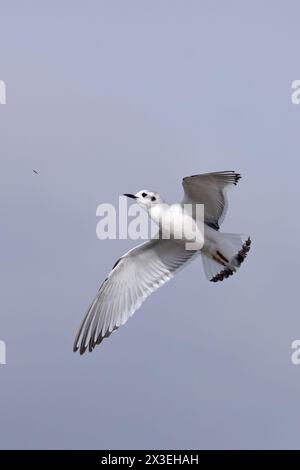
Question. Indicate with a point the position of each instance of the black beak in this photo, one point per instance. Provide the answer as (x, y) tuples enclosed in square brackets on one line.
[(130, 195)]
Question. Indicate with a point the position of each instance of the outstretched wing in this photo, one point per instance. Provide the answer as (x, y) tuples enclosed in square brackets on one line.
[(133, 278), (210, 189)]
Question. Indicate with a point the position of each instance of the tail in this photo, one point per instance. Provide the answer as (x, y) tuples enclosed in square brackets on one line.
[(225, 257)]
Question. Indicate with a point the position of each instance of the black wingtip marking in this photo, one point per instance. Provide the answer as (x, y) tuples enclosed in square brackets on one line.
[(116, 264), (232, 174), (238, 176)]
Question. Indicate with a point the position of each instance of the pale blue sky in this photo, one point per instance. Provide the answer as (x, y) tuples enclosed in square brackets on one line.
[(107, 97)]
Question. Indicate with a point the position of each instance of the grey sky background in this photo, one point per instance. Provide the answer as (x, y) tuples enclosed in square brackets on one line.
[(107, 97)]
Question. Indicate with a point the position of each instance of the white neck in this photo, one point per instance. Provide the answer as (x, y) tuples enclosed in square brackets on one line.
[(156, 212)]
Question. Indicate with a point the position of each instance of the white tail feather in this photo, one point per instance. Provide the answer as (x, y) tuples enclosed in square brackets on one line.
[(228, 254)]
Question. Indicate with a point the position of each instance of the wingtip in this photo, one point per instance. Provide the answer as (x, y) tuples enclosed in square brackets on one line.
[(82, 348), (238, 176)]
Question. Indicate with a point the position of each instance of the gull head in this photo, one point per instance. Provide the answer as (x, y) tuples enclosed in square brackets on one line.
[(146, 198)]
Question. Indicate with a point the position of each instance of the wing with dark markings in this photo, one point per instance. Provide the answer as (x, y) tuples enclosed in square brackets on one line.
[(210, 189), (133, 278)]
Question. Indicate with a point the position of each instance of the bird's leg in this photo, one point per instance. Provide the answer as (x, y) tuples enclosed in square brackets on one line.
[(219, 258)]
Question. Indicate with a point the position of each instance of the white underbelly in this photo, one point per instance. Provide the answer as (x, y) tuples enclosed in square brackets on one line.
[(180, 226)]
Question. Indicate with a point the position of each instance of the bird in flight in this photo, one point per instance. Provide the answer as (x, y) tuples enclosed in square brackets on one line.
[(145, 268), (36, 172)]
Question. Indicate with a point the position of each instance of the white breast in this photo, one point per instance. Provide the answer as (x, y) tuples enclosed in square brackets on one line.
[(176, 224)]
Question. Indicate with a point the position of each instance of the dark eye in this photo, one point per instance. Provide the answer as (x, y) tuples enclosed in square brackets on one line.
[(144, 194), (153, 198)]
